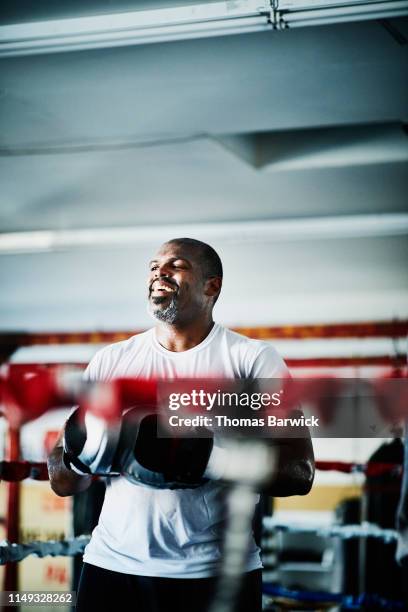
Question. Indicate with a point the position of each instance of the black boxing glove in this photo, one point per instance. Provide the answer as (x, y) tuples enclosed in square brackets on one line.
[(146, 457), (135, 447), (90, 443)]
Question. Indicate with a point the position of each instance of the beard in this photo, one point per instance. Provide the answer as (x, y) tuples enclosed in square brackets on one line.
[(168, 314)]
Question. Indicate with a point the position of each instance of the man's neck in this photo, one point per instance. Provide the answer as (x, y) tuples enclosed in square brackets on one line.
[(177, 338)]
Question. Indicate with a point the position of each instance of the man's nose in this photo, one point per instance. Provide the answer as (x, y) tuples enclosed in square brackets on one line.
[(162, 270)]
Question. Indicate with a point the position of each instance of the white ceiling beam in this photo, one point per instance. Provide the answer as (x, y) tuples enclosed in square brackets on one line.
[(332, 147)]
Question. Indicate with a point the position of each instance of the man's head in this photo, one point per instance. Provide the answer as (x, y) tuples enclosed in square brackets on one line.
[(184, 281)]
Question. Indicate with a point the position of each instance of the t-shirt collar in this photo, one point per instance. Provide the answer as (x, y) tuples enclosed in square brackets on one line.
[(156, 344)]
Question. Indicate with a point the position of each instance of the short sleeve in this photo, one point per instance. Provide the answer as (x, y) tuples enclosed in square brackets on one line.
[(269, 364), (93, 370)]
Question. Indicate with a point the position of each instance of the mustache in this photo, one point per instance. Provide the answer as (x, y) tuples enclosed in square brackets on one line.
[(164, 279)]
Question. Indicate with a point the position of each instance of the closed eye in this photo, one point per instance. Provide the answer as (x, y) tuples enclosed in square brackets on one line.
[(179, 264)]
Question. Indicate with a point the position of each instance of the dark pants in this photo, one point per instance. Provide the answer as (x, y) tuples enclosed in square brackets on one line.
[(107, 591), (404, 564)]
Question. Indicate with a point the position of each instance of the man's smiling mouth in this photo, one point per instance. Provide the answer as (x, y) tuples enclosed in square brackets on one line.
[(160, 288)]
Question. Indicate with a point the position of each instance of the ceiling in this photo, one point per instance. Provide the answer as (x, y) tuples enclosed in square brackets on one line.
[(152, 134)]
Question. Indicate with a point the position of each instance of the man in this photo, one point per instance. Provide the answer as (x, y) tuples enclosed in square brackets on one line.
[(159, 550)]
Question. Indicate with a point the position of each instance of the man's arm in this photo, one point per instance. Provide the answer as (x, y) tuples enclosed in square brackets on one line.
[(295, 469), (63, 481)]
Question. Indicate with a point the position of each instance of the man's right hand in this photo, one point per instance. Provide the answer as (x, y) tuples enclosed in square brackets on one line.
[(63, 480), (86, 447)]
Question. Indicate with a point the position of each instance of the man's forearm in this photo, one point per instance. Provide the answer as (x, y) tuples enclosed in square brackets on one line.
[(64, 481)]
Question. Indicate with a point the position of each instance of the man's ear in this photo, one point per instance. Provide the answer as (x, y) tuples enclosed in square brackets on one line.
[(213, 286)]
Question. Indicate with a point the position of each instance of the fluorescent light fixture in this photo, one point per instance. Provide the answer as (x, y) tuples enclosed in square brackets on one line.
[(337, 347), (237, 232), (55, 353), (298, 13), (185, 22), (136, 27)]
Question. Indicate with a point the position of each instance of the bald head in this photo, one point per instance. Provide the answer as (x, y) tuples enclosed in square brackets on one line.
[(185, 281), (206, 256)]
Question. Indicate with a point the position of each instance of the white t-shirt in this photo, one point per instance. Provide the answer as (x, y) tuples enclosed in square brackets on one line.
[(162, 532)]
